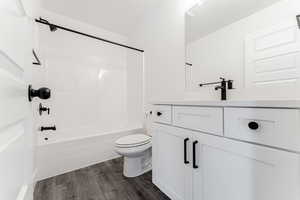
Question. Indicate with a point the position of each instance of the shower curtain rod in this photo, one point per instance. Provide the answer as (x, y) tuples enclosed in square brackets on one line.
[(54, 27)]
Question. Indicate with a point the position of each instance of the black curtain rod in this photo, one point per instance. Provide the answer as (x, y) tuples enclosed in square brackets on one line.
[(54, 27)]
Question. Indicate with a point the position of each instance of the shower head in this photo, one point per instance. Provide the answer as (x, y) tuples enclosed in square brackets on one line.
[(53, 28)]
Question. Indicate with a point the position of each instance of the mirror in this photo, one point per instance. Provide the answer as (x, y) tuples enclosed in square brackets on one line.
[(222, 36)]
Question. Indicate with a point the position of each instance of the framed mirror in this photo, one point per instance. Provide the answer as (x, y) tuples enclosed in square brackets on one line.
[(253, 42)]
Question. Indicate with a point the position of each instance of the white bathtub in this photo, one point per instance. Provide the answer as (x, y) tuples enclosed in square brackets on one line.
[(60, 156)]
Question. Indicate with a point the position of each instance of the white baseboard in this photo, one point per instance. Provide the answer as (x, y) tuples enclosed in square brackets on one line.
[(26, 192)]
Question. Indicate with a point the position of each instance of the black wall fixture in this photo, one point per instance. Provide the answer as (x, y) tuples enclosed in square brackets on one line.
[(43, 109), (48, 128), (54, 27), (38, 62), (42, 93), (298, 20)]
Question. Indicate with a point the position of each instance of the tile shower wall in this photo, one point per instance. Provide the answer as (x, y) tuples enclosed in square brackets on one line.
[(96, 87)]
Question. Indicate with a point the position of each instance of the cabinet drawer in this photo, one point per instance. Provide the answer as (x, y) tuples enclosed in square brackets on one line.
[(162, 114), (272, 127), (204, 119)]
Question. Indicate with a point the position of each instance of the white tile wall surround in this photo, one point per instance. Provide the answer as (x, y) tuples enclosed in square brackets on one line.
[(96, 87)]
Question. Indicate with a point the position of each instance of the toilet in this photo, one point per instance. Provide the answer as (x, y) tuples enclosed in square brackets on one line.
[(136, 150)]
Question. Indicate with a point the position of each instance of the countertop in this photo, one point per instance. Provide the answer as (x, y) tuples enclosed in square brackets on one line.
[(235, 103)]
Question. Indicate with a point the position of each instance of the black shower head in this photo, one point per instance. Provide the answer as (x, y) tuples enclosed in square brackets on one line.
[(53, 28)]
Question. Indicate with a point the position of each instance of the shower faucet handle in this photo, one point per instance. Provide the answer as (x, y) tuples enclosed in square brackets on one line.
[(43, 109)]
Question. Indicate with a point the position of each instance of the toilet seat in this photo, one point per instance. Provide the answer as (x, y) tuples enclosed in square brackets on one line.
[(133, 140)]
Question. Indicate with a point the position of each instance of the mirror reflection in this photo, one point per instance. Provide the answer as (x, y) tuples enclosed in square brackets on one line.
[(241, 41)]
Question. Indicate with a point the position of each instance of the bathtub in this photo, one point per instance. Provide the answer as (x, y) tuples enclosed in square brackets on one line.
[(58, 156)]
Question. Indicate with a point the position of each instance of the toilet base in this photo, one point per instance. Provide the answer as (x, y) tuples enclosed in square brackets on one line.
[(136, 166)]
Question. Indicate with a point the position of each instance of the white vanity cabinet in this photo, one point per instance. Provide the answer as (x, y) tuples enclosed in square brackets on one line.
[(192, 165), (171, 173), (231, 170)]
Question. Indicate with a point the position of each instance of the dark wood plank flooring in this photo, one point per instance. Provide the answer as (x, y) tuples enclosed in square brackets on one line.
[(104, 181)]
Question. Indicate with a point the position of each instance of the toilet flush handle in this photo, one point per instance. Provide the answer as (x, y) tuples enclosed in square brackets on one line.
[(159, 114)]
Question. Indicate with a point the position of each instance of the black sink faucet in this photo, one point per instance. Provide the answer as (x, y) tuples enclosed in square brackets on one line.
[(223, 87)]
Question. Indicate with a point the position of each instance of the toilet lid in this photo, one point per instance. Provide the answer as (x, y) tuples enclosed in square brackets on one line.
[(133, 140)]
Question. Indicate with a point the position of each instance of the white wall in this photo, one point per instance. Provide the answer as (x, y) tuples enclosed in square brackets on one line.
[(135, 88), (222, 53), (161, 35)]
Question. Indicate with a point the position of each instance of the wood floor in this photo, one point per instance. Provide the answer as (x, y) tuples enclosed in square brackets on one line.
[(104, 181)]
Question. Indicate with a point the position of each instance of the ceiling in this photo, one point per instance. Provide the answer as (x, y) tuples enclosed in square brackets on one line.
[(215, 14), (119, 16)]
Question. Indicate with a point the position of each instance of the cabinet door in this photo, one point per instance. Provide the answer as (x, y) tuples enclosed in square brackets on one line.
[(232, 170), (170, 172)]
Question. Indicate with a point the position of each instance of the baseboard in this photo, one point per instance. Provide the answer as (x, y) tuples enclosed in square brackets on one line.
[(26, 192)]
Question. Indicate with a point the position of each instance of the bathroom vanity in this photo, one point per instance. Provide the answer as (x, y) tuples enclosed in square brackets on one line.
[(233, 150)]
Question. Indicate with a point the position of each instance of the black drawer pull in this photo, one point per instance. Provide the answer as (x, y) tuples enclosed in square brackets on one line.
[(185, 151), (253, 125), (195, 166), (159, 113)]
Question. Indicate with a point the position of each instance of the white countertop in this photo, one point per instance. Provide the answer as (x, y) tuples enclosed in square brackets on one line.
[(235, 103)]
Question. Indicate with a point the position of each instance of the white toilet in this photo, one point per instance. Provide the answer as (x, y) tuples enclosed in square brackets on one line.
[(136, 150)]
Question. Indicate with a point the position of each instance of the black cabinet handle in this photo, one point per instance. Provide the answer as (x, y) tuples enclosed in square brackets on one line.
[(185, 151), (159, 113), (195, 166), (253, 125)]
